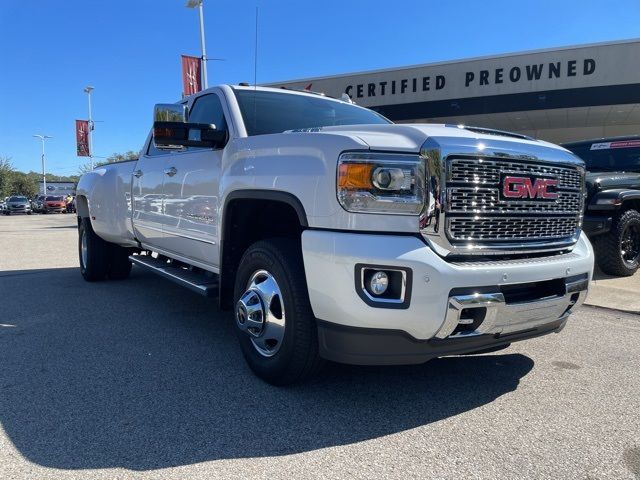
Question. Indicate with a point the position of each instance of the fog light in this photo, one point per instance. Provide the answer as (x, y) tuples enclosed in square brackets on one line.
[(379, 283)]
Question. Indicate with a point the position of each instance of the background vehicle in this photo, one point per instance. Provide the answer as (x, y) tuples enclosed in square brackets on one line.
[(17, 204), (37, 204), (54, 203), (3, 206), (335, 234), (612, 218)]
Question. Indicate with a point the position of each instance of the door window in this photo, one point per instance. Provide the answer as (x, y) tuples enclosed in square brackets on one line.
[(208, 109)]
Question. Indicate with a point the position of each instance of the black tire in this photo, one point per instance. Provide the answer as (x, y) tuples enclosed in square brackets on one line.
[(97, 253), (297, 358), (119, 264), (612, 254)]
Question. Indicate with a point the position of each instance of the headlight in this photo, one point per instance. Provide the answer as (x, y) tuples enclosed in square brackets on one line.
[(381, 183)]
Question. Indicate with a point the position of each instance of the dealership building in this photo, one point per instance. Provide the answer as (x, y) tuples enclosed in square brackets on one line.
[(559, 95)]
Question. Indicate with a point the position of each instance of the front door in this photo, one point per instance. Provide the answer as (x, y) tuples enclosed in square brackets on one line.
[(191, 202), (147, 194)]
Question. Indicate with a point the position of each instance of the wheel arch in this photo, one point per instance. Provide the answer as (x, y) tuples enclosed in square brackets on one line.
[(82, 206), (249, 216)]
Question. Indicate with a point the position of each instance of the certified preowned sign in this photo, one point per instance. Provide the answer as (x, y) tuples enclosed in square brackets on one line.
[(571, 68)]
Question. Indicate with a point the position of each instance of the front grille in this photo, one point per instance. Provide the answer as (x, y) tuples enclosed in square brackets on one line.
[(487, 171), (511, 228), (476, 210), (487, 200)]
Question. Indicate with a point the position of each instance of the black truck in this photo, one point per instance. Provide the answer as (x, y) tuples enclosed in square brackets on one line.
[(612, 216)]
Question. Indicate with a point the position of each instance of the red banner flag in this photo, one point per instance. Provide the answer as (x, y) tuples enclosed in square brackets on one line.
[(82, 138), (191, 74)]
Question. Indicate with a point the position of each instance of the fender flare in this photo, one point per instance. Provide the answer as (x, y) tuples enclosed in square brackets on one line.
[(251, 194), (612, 199), (273, 195)]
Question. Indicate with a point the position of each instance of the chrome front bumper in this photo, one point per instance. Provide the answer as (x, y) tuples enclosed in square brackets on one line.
[(492, 314)]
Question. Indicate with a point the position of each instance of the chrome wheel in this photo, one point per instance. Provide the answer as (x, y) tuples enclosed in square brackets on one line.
[(260, 313), (83, 249)]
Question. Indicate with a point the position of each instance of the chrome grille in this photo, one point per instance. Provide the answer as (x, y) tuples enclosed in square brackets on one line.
[(511, 228), (487, 200), (487, 171), (476, 211)]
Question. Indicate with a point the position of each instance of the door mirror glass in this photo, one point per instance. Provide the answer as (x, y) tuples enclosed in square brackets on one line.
[(170, 112)]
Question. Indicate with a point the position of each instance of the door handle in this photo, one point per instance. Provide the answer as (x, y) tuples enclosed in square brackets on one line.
[(137, 173), (171, 171)]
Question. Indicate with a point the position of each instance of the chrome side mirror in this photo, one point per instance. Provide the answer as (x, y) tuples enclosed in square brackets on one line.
[(170, 112)]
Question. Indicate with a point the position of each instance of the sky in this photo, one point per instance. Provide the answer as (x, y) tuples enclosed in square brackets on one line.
[(129, 50)]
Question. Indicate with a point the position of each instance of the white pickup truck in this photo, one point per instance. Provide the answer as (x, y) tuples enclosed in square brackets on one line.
[(335, 234)]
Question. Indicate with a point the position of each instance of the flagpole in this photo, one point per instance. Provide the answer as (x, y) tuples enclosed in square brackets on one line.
[(204, 50), (44, 175), (90, 125), (199, 4)]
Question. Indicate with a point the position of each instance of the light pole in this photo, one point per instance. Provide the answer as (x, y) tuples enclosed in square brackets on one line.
[(198, 4), (44, 176), (88, 91)]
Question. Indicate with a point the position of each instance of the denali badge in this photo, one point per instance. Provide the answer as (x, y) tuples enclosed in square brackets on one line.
[(526, 187)]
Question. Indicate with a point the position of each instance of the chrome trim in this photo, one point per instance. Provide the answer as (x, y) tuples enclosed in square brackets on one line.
[(504, 318), (437, 151), (189, 237), (403, 289), (181, 258), (201, 288)]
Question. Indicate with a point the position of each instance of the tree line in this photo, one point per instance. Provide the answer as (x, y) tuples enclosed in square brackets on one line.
[(15, 182)]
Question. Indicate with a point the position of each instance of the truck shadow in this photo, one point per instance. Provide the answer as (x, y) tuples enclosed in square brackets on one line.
[(142, 374)]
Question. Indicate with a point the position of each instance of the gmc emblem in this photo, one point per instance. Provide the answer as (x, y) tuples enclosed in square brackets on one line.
[(525, 187)]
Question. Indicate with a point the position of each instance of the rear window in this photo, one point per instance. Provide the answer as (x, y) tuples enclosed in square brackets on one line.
[(54, 199), (620, 155)]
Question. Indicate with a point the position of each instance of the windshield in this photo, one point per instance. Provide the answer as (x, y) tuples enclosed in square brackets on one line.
[(53, 199), (623, 155), (273, 112), (17, 199)]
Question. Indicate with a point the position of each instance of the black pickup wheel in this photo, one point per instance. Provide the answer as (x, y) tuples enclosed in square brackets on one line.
[(618, 252)]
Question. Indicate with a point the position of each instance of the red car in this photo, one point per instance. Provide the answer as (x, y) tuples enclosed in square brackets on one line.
[(54, 204)]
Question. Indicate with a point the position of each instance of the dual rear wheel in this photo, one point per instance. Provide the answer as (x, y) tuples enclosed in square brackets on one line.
[(99, 258)]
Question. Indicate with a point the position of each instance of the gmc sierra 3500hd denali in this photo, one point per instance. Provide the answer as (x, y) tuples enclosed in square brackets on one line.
[(334, 234)]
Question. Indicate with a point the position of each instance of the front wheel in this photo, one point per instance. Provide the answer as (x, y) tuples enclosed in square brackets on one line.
[(618, 252), (274, 321)]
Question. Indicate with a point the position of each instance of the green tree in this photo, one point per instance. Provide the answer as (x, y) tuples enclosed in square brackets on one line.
[(6, 170), (21, 184)]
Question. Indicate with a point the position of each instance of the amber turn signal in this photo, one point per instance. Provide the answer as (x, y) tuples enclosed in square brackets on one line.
[(355, 176)]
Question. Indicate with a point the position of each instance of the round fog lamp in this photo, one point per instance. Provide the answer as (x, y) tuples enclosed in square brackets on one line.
[(379, 283)]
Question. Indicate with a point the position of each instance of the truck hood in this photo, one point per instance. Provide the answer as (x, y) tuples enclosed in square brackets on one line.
[(409, 138), (629, 180)]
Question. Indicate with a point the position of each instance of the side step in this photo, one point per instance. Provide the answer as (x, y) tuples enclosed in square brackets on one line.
[(199, 282)]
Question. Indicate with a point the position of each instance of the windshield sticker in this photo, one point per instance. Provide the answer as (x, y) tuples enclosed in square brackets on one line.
[(619, 144)]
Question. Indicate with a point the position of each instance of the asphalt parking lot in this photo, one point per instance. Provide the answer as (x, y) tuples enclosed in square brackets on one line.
[(142, 379)]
